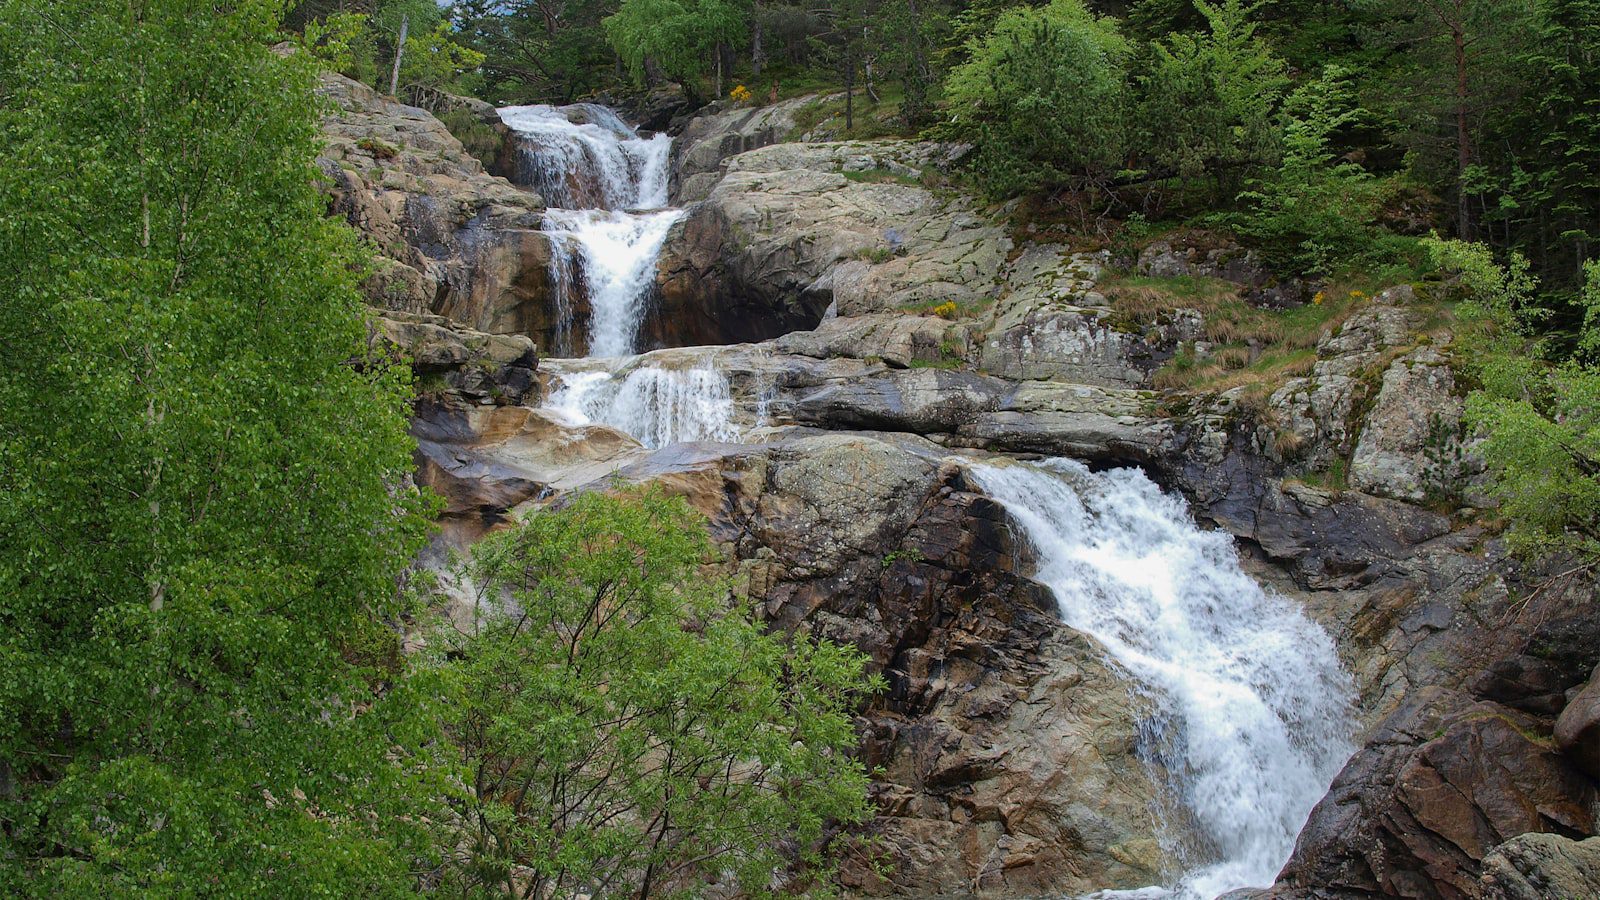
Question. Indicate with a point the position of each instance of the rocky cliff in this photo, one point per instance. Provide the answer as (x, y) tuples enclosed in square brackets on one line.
[(897, 321)]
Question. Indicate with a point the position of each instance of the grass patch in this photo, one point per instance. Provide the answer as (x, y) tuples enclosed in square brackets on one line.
[(872, 120), (1229, 367), (1335, 478), (949, 309)]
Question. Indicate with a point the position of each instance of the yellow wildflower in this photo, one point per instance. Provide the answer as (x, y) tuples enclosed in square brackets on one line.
[(1317, 300), (739, 94)]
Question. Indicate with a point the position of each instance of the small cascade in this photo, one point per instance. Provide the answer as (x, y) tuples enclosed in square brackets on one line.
[(605, 187), (657, 406), (1256, 713)]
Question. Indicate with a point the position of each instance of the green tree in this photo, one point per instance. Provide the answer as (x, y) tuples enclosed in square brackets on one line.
[(1043, 96), (1453, 70), (629, 734), (1209, 100), (553, 50), (681, 38), (206, 506), (1540, 419), (1543, 153)]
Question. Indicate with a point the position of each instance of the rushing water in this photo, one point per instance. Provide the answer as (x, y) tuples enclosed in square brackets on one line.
[(605, 187), (656, 405), (1258, 711)]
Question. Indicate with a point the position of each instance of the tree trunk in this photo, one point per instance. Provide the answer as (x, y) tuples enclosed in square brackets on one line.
[(849, 91), (716, 51), (758, 53), (399, 51), (1458, 39)]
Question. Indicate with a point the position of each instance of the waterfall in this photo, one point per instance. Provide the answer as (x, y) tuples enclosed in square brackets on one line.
[(656, 406), (605, 187), (1258, 713), (616, 254)]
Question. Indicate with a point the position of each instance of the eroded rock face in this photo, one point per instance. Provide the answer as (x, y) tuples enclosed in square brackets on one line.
[(455, 241)]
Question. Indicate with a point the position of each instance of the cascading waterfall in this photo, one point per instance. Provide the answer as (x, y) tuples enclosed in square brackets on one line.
[(1259, 711), (657, 406), (616, 254), (605, 187)]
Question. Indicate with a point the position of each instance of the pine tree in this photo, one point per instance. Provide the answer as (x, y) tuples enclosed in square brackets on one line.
[(205, 503), (1548, 175)]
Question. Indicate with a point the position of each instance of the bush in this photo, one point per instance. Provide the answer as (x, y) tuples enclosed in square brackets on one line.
[(1314, 211), (1540, 420)]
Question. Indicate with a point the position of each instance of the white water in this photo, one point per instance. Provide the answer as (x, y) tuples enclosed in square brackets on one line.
[(598, 163), (1259, 715), (605, 187), (616, 254), (656, 406)]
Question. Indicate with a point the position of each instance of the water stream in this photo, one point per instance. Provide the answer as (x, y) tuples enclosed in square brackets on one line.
[(1258, 713)]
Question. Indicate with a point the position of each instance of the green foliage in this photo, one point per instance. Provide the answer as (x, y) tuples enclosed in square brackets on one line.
[(206, 506), (1209, 99), (1316, 210), (1541, 173), (1044, 97), (553, 51), (629, 731), (338, 40), (1540, 420), (675, 35)]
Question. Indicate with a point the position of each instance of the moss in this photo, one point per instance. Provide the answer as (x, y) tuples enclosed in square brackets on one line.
[(378, 149)]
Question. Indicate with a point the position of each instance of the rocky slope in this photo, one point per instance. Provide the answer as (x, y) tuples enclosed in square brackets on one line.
[(1009, 751)]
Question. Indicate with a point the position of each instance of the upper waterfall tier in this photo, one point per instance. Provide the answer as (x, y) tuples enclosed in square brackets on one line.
[(604, 186), (584, 157)]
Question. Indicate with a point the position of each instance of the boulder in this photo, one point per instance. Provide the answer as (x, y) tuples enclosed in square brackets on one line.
[(1051, 324), (1542, 866), (492, 369), (720, 133), (1411, 442), (793, 229), (1441, 783), (1577, 731)]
